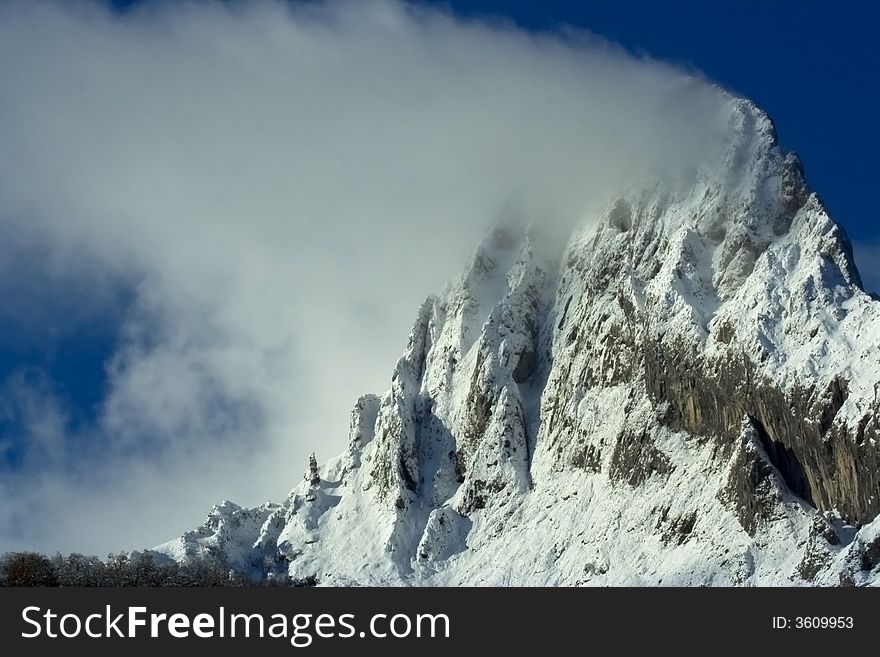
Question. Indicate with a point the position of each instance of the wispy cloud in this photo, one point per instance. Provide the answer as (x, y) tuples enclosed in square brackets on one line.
[(276, 187)]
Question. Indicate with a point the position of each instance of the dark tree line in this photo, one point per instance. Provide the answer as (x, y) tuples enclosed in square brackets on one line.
[(124, 569)]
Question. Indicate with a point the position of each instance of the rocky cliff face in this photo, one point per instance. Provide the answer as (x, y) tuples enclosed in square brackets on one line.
[(687, 395)]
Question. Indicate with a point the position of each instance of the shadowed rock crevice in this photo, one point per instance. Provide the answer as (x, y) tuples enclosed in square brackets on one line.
[(786, 462), (826, 463)]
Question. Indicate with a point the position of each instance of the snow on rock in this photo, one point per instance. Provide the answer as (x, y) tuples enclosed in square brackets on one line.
[(686, 395)]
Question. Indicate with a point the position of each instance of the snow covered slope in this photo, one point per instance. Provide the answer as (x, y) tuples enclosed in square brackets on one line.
[(687, 396)]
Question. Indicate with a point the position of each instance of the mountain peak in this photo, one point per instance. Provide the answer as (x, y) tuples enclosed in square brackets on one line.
[(685, 394)]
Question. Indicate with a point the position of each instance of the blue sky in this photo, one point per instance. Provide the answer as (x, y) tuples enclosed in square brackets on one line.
[(66, 335)]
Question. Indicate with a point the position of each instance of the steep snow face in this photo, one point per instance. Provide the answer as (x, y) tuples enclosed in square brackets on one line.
[(686, 395)]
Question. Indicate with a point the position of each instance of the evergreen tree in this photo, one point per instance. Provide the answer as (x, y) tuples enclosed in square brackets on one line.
[(312, 476)]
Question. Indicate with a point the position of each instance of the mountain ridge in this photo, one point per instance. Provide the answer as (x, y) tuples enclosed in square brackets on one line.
[(685, 395)]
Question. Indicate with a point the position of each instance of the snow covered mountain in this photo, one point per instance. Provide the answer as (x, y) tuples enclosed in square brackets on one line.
[(687, 396)]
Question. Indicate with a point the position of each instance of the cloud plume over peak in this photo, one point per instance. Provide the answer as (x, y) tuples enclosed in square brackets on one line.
[(255, 197)]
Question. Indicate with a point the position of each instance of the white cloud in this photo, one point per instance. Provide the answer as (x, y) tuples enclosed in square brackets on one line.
[(278, 187)]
